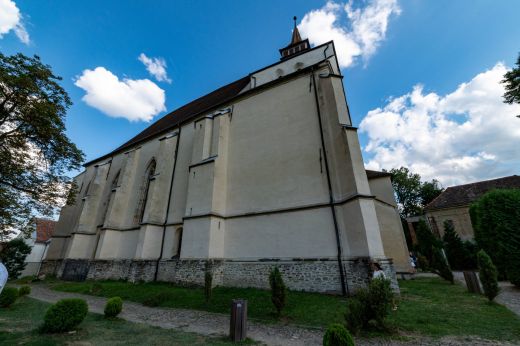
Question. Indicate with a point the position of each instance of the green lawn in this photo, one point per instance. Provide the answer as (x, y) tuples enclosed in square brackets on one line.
[(18, 326), (429, 307)]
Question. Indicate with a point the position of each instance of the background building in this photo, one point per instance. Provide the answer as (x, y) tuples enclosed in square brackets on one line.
[(39, 243)]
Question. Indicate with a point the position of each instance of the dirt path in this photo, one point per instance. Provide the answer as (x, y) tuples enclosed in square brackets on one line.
[(213, 324)]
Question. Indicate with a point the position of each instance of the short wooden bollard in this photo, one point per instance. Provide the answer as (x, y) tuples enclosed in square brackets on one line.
[(472, 282), (238, 325)]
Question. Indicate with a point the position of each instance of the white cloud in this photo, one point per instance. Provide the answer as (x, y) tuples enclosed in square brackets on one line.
[(361, 38), (156, 67), (465, 136), (135, 100), (11, 19)]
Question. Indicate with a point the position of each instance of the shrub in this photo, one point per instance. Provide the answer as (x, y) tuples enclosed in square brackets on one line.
[(337, 335), (356, 316), (440, 266), (157, 299), (423, 263), (457, 252), (513, 267), (24, 290), (8, 296), (488, 275), (96, 288), (496, 221), (64, 315), (426, 241), (278, 290), (113, 307), (372, 304), (208, 285), (13, 257)]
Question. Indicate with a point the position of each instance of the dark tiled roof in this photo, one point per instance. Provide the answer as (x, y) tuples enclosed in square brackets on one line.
[(44, 230), (377, 174), (188, 111), (466, 194)]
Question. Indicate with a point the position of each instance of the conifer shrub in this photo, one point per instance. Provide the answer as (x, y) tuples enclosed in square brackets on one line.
[(24, 291), (457, 252), (65, 315), (337, 335), (8, 296), (488, 275), (426, 241), (356, 316), (278, 290), (440, 266), (113, 307), (513, 267), (208, 285)]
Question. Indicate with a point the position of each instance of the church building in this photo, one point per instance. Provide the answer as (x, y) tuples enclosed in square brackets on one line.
[(265, 171)]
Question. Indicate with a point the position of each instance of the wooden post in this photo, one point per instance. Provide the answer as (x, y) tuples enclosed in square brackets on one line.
[(238, 325)]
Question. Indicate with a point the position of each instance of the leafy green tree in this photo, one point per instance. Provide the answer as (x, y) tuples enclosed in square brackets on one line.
[(13, 257), (411, 193), (35, 153), (278, 290), (496, 221), (488, 275), (511, 83)]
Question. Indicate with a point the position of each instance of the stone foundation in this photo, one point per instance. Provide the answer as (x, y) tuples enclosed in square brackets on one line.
[(313, 275)]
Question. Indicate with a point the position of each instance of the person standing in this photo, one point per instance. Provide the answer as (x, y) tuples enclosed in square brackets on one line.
[(3, 276)]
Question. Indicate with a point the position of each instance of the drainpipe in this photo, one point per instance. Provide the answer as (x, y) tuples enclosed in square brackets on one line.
[(167, 206), (344, 285)]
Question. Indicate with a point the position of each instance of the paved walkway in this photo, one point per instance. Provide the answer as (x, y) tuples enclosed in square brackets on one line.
[(509, 295), (213, 324)]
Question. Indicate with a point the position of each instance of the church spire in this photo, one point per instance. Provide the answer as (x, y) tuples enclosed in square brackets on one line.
[(295, 33), (296, 46)]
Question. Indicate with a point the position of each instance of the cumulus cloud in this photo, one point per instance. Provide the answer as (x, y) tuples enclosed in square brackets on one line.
[(357, 32), (11, 19), (135, 100), (464, 136), (156, 67)]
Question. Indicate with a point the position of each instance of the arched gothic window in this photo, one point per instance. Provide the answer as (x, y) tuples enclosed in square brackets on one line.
[(149, 177)]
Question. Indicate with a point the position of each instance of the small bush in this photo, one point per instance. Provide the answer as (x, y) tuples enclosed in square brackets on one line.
[(422, 261), (278, 290), (355, 317), (372, 304), (96, 288), (113, 307), (64, 315), (157, 299), (8, 296), (208, 285), (24, 291), (337, 335), (488, 275)]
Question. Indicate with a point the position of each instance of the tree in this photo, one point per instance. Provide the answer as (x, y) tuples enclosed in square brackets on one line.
[(457, 252), (440, 266), (496, 220), (488, 275), (13, 257), (278, 290), (512, 84), (35, 153), (411, 194), (426, 241)]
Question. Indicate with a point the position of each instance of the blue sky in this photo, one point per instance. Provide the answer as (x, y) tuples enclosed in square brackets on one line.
[(405, 80)]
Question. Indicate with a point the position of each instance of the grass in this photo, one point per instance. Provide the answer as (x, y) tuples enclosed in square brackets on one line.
[(18, 326), (428, 306)]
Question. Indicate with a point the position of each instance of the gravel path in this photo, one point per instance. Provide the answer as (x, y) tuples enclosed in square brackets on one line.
[(213, 324)]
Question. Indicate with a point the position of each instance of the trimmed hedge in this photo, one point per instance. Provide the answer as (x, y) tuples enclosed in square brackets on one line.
[(24, 290), (113, 307), (496, 222), (337, 335), (65, 315), (278, 290), (8, 297)]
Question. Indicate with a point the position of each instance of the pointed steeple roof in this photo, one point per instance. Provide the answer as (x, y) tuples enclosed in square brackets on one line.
[(295, 34), (296, 46)]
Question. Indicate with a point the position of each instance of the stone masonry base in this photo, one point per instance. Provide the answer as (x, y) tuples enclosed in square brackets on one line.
[(312, 275)]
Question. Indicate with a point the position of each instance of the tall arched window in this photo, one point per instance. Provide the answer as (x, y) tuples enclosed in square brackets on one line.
[(149, 177), (110, 198)]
